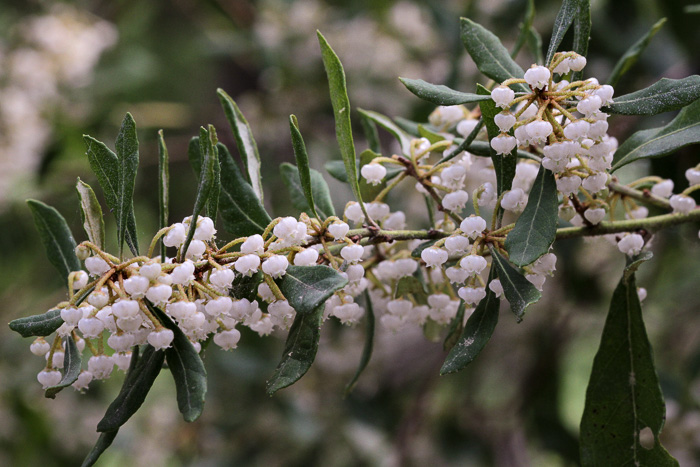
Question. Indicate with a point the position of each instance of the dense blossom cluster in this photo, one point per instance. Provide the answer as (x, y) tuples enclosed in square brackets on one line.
[(559, 123)]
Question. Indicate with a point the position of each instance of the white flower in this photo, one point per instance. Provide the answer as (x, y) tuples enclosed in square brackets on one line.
[(663, 189), (196, 249), (472, 295), (504, 120), (80, 279), (577, 129), (537, 76), (40, 347), (96, 265), (275, 266), (71, 315), (594, 215), (49, 378), (433, 256), (496, 287), (456, 244), (595, 183), (219, 306), (84, 379), (100, 366), (568, 185), (348, 313), (373, 173), (682, 203), (514, 200), (352, 253), (183, 273), (465, 127), (307, 257), (395, 221), (120, 342), (537, 280), (338, 230), (161, 339), (253, 245), (228, 340), (631, 244), (472, 226), (539, 130), (125, 308), (353, 211), (136, 286), (473, 264), (222, 278), (455, 201), (605, 92), (502, 96), (545, 264), (205, 229), (641, 293), (589, 105), (503, 144), (693, 176), (176, 235), (456, 275), (91, 327), (577, 63)]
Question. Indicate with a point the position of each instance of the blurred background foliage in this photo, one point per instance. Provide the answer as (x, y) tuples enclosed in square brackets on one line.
[(69, 68)]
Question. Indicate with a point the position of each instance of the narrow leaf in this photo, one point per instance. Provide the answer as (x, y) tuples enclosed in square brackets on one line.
[(518, 291), (319, 188), (127, 148), (536, 227), (303, 170), (476, 333), (491, 58), (582, 32), (409, 126), (409, 285), (432, 136), (568, 14), (623, 400), (630, 57), (56, 238), (525, 29), (534, 43), (163, 189), (299, 350), (207, 174), (504, 164), (341, 112), (663, 96), (91, 213), (71, 368), (439, 94), (247, 147), (38, 325), (103, 442), (240, 208), (456, 328), (246, 286), (187, 369), (369, 344), (105, 164), (370, 130), (656, 142), (308, 287), (134, 390), (385, 122)]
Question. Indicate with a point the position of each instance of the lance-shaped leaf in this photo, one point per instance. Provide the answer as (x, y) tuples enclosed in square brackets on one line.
[(663, 96), (303, 170), (187, 369), (432, 136), (491, 58), (409, 126), (577, 12), (630, 57), (246, 286), (385, 122), (370, 130), (319, 188), (91, 213), (136, 385), (207, 173), (368, 347), (56, 238), (456, 328), (103, 442), (38, 325), (439, 94), (308, 287), (624, 411), (525, 29), (341, 112), (656, 142), (518, 291), (504, 164), (247, 147), (71, 368), (536, 227), (241, 210), (127, 147), (534, 43), (476, 333), (163, 189), (299, 350)]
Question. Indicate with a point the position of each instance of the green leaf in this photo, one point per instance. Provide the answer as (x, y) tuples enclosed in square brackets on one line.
[(341, 112), (319, 188), (579, 13), (409, 126), (656, 142), (103, 442), (38, 325), (432, 136), (476, 333), (71, 368), (536, 227), (303, 170), (439, 94), (629, 58), (56, 238), (247, 147), (491, 58), (623, 396), (663, 96), (419, 249), (299, 350), (518, 291), (368, 347), (163, 189), (504, 164), (308, 287), (246, 286), (134, 390), (369, 191), (456, 328), (187, 369), (241, 210), (370, 130), (410, 285), (127, 147), (534, 43), (524, 34), (385, 122), (106, 166), (91, 213), (209, 160)]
